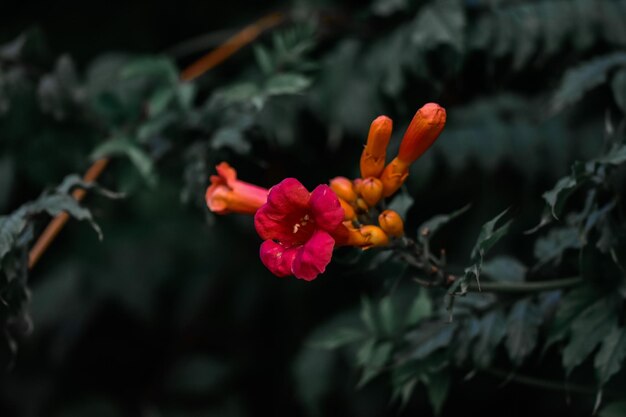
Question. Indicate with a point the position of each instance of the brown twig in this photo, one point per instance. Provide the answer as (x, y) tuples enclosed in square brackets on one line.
[(193, 71), (232, 45)]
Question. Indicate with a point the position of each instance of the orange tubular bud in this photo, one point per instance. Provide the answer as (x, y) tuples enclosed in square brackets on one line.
[(371, 191), (374, 237), (422, 132), (394, 176), (373, 156), (391, 222), (348, 211), (361, 205), (343, 188)]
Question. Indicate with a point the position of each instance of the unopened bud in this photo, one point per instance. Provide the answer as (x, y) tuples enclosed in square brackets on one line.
[(373, 156), (391, 222), (394, 176), (371, 190), (343, 188), (374, 236), (422, 132), (348, 211)]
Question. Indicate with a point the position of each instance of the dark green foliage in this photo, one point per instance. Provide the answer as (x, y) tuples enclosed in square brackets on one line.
[(173, 314)]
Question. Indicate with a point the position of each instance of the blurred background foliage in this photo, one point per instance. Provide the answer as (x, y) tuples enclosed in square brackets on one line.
[(172, 314)]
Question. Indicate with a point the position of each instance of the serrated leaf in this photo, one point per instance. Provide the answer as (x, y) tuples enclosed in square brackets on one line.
[(10, 228), (556, 197), (430, 337), (437, 386), (579, 80), (504, 268), (441, 22), (552, 246), (286, 83), (232, 138), (374, 362), (610, 357), (160, 68), (263, 59), (572, 304), (489, 236), (128, 148), (432, 225), (522, 329), (420, 309), (492, 331), (588, 329)]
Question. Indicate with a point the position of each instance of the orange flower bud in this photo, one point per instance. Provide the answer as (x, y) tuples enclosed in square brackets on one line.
[(374, 237), (373, 156), (422, 132), (391, 222), (348, 211), (394, 176), (357, 183), (361, 205), (343, 188), (371, 191)]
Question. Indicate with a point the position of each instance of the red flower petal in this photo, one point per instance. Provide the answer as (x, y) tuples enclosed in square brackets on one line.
[(277, 258), (311, 258), (325, 208), (287, 202)]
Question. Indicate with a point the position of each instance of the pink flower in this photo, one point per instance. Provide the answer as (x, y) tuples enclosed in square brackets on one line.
[(298, 227), (227, 194)]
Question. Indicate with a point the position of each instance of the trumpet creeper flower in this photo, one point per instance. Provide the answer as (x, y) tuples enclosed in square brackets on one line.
[(227, 194), (297, 228)]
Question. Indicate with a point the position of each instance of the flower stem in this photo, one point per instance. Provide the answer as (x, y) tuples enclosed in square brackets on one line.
[(522, 287)]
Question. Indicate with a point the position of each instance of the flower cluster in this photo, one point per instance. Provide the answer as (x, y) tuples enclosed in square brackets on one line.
[(300, 229)]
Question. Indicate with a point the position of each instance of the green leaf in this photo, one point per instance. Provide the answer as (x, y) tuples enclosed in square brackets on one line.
[(374, 361), (610, 357), (401, 204), (438, 385), (492, 331), (614, 409), (128, 148), (10, 228), (286, 83), (618, 84), (440, 22), (504, 268), (557, 196), (574, 302), (430, 337), (616, 156), (420, 309), (368, 316), (338, 338), (522, 329), (589, 328), (263, 59), (432, 225), (579, 80), (232, 138), (552, 246), (159, 68), (489, 236), (387, 316)]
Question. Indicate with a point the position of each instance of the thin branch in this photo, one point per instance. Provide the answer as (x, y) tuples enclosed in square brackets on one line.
[(523, 287), (207, 62)]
